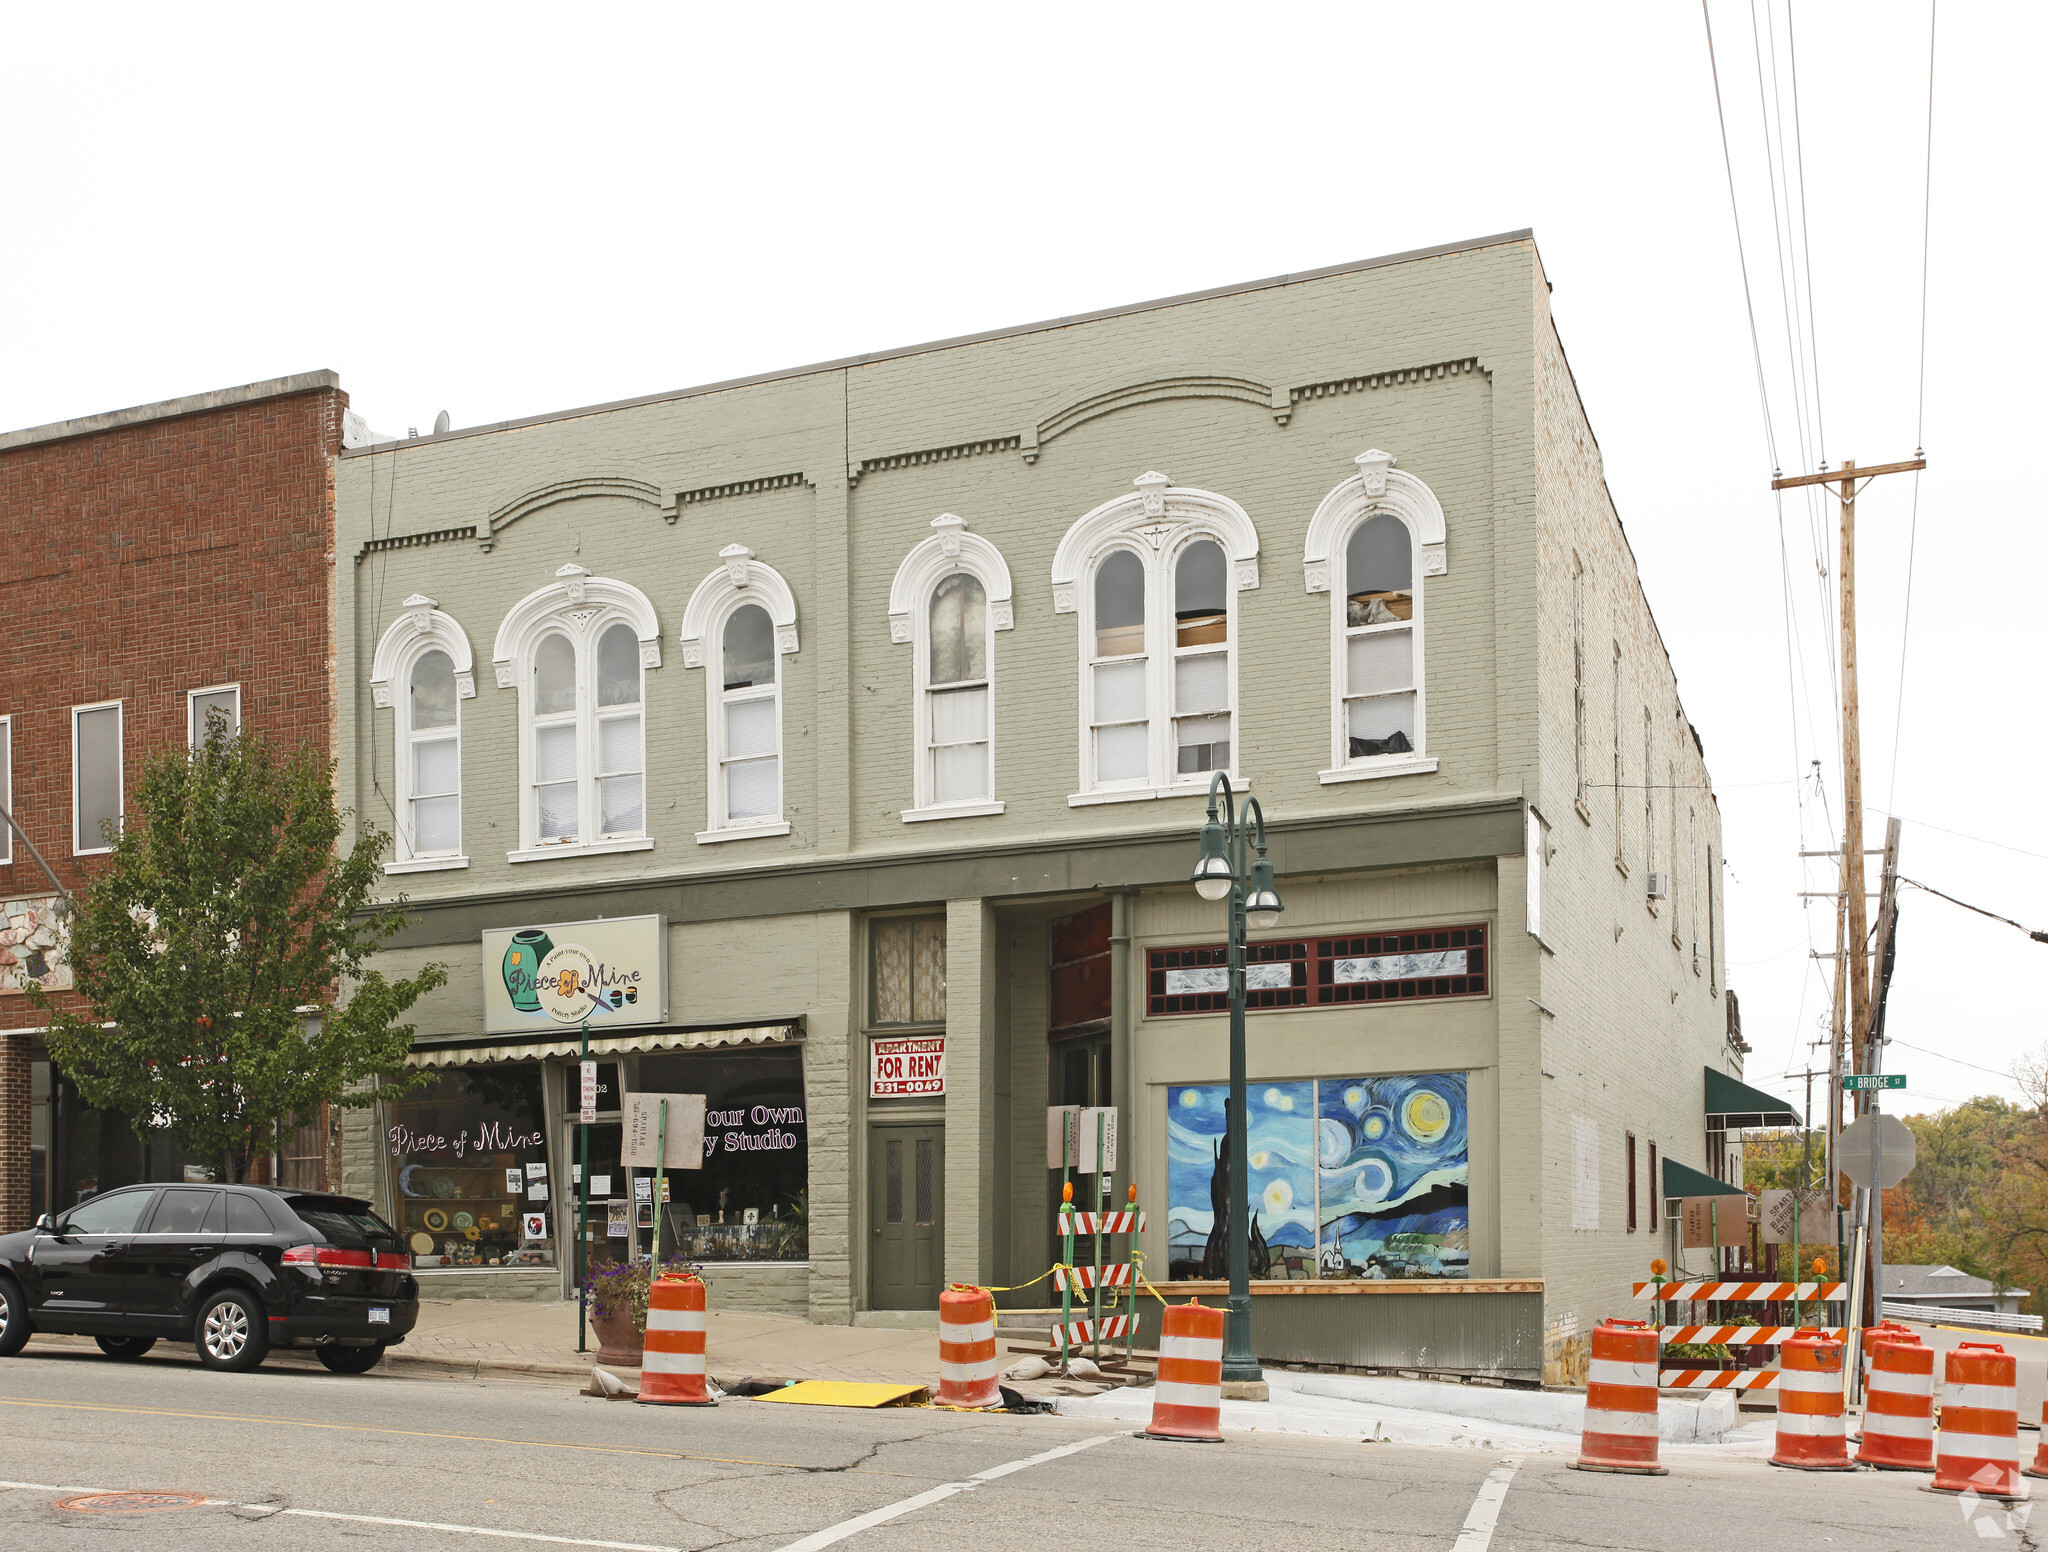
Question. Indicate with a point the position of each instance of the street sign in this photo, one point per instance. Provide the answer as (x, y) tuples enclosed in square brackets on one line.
[(1863, 1082), (587, 1095), (1852, 1150), (683, 1145)]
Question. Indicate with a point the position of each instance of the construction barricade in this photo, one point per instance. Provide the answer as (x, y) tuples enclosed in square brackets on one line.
[(1621, 1401), (672, 1366), (1671, 1293), (967, 1348), (1187, 1401), (1811, 1436), (1978, 1445), (1898, 1404)]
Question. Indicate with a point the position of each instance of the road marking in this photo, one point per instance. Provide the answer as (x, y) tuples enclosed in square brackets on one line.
[(1477, 1534), (273, 1510), (833, 1534), (420, 1433)]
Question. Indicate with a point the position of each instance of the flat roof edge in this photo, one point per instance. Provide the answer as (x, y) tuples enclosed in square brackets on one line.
[(170, 409), (1524, 234)]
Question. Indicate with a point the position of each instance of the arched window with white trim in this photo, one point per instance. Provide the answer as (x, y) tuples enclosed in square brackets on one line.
[(1371, 543), (422, 672), (951, 595), (739, 624), (577, 653), (1154, 577)]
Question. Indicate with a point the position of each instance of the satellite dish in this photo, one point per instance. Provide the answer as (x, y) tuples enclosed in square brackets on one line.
[(441, 423)]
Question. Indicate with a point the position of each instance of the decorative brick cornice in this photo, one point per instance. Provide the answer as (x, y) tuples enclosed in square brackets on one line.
[(1190, 383), (414, 540), (690, 498), (930, 455), (1371, 380), (568, 490)]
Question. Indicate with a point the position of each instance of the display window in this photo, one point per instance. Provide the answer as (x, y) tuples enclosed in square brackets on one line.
[(468, 1168), (749, 1201), (1347, 1178)]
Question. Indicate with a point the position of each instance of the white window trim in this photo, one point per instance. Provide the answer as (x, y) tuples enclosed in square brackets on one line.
[(581, 607), (1377, 488), (1155, 523), (7, 790), (420, 629), (950, 549), (121, 748), (193, 737), (740, 580)]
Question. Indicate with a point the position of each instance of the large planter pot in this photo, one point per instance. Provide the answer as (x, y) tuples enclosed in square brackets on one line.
[(619, 1338)]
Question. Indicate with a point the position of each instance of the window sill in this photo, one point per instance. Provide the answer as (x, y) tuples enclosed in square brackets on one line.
[(582, 849), (1579, 807), (1395, 765), (1148, 794), (426, 865), (950, 811), (743, 833)]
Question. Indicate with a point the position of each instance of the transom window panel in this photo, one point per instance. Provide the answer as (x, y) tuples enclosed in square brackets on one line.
[(1197, 980), (1402, 966), (751, 757), (909, 973), (1321, 972)]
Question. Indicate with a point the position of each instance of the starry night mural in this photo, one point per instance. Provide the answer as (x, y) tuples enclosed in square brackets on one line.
[(1348, 1177)]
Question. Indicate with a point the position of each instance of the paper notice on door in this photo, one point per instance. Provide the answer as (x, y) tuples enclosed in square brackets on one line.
[(537, 1192)]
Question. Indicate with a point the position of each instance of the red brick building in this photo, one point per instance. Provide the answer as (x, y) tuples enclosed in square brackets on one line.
[(162, 562)]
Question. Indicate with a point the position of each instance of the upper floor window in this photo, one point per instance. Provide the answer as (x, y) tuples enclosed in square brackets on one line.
[(739, 624), (202, 707), (7, 787), (1155, 578), (1371, 543), (577, 652), (951, 595), (422, 671), (96, 779), (908, 970)]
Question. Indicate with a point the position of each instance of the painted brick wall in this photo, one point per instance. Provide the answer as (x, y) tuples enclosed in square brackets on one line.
[(141, 562)]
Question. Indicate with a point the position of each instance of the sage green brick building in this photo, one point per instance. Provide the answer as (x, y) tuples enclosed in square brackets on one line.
[(833, 744)]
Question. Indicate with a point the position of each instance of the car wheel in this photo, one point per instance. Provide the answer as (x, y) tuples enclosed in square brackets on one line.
[(125, 1346), (350, 1360), (14, 1327), (229, 1331)]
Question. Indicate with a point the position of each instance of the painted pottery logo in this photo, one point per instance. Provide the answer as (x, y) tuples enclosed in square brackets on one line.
[(567, 984)]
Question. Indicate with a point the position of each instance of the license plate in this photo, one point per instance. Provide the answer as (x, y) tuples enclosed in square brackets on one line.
[(380, 1317)]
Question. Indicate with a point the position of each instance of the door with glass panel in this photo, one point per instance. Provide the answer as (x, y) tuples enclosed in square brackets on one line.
[(906, 1216)]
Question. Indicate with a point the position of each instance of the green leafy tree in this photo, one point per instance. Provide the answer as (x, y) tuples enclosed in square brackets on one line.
[(224, 913)]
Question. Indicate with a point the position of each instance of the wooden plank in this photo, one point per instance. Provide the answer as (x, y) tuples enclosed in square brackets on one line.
[(1850, 472)]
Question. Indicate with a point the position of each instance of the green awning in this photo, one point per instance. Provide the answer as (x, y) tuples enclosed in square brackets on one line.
[(1733, 1104), (1682, 1180)]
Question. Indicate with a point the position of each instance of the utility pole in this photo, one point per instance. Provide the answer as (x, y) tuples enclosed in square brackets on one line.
[(1853, 918)]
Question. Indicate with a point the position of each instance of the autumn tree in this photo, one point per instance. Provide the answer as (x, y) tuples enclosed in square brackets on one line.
[(222, 921)]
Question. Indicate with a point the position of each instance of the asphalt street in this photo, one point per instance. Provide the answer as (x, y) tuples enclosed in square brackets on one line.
[(290, 1459)]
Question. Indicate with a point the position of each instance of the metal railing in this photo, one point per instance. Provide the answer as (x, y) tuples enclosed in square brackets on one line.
[(1991, 1320)]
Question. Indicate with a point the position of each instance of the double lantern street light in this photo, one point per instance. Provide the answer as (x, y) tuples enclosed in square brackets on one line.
[(1226, 869)]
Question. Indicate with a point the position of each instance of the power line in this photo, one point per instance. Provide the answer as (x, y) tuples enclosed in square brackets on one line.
[(1964, 836), (1944, 1056), (1742, 257), (2038, 937)]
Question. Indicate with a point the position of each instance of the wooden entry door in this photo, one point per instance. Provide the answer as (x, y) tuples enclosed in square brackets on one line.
[(906, 1216)]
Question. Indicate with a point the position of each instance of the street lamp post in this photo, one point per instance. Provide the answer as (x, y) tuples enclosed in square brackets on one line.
[(1227, 869)]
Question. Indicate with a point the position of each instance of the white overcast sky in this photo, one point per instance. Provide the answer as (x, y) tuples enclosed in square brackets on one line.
[(505, 210)]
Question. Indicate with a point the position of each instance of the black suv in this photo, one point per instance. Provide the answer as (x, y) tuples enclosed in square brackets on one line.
[(234, 1270)]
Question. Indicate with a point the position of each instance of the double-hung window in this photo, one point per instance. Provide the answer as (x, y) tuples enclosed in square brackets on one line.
[(7, 787), (220, 702), (950, 597), (1379, 639), (1119, 713), (422, 672), (1201, 660), (96, 781), (749, 721)]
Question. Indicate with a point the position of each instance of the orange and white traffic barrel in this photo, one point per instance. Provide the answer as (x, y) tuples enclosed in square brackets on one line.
[(1977, 1448), (1621, 1401), (1187, 1401), (672, 1366), (1898, 1405), (1810, 1430), (967, 1348), (2040, 1465)]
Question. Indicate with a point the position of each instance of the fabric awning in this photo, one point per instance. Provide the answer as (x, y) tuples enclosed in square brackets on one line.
[(1733, 1104), (466, 1053), (1682, 1180)]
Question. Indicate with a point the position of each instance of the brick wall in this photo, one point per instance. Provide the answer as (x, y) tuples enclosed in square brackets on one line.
[(150, 554)]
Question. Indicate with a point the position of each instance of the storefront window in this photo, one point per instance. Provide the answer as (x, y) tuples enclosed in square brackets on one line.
[(1347, 1177), (469, 1169), (748, 1202)]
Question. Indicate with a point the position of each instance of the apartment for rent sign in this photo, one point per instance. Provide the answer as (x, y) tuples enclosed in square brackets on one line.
[(912, 1065)]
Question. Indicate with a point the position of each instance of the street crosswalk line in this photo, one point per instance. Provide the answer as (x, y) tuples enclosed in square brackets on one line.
[(1477, 1534)]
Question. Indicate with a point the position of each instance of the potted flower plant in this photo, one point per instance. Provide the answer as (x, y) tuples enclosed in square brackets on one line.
[(617, 1297)]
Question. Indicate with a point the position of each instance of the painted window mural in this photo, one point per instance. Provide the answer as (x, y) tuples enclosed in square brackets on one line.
[(1348, 1177)]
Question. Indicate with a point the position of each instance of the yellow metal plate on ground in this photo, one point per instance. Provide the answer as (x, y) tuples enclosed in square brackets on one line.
[(846, 1393)]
